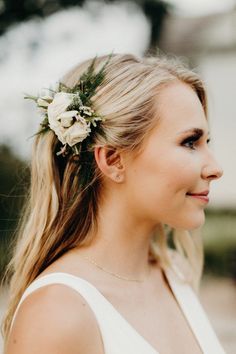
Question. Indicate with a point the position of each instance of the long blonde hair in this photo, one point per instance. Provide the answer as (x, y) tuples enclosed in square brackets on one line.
[(59, 213)]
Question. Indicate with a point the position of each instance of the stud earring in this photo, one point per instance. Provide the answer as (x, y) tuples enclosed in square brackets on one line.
[(118, 177)]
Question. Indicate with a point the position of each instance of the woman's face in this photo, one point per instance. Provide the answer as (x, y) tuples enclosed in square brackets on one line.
[(176, 161)]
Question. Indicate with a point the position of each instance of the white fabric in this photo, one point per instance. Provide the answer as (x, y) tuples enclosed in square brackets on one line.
[(118, 335), (195, 315)]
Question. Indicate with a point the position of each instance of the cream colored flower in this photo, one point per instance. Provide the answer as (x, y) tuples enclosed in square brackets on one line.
[(69, 126), (77, 132), (58, 106), (61, 134), (67, 118)]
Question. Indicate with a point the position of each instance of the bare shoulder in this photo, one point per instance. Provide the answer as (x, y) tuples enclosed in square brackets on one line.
[(54, 319)]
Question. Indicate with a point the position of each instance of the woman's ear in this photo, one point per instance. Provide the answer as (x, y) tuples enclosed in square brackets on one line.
[(111, 162)]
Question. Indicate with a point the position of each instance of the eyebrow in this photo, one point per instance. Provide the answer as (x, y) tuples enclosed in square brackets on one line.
[(196, 131)]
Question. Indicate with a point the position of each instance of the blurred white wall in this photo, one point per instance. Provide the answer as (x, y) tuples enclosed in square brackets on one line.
[(219, 73)]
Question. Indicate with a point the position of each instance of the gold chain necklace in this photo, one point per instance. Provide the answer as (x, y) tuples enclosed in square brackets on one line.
[(115, 274)]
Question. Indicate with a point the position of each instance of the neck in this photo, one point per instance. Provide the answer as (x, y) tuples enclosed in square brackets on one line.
[(121, 243)]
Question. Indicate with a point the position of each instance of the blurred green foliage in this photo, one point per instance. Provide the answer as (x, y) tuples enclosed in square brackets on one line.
[(219, 237), (14, 181)]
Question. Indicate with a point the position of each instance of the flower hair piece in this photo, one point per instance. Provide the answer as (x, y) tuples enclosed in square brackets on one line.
[(68, 112)]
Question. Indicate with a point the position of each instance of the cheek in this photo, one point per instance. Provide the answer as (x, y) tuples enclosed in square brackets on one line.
[(160, 183), (176, 173), (144, 181), (182, 171), (181, 176), (154, 183), (169, 171)]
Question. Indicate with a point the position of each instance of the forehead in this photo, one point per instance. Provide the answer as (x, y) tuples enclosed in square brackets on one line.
[(178, 108)]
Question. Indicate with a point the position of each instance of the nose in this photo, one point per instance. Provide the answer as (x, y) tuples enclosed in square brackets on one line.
[(212, 170)]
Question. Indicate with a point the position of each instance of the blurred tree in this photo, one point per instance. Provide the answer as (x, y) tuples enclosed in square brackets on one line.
[(13, 11), (156, 12), (14, 180)]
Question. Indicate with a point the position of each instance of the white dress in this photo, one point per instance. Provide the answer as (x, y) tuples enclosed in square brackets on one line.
[(118, 336)]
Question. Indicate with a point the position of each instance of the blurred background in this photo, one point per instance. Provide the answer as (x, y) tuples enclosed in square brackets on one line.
[(41, 39)]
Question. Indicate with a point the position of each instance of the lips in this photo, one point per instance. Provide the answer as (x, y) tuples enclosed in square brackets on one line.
[(201, 196), (204, 193)]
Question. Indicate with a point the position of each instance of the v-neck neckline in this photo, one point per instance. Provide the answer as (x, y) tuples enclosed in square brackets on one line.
[(112, 307), (185, 298), (124, 320)]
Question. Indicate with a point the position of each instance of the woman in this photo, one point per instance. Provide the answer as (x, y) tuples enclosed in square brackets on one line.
[(121, 168)]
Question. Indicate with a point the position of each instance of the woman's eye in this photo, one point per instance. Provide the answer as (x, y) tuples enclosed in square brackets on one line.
[(190, 142)]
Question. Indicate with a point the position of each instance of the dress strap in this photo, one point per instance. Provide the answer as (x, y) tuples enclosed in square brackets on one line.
[(195, 315)]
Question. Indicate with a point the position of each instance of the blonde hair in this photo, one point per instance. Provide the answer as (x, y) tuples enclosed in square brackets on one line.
[(60, 211)]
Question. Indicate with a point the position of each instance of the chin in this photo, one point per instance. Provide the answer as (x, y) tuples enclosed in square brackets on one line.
[(191, 222), (196, 222)]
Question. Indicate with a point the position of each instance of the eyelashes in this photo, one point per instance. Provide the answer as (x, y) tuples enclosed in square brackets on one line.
[(191, 141)]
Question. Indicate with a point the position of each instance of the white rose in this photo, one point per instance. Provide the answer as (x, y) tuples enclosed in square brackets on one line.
[(69, 126), (58, 106), (77, 132), (67, 118), (61, 134)]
